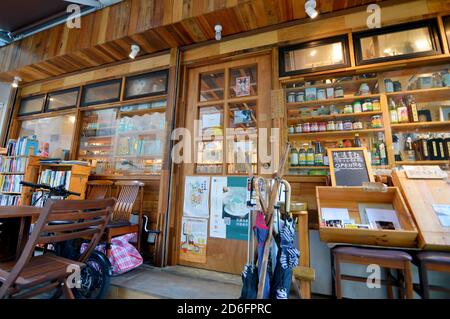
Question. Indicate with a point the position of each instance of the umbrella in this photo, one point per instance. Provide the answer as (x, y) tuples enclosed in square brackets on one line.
[(261, 232), (287, 259), (250, 272)]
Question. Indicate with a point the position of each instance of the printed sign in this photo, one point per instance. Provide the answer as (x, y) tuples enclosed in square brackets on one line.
[(349, 166), (196, 196), (242, 86), (194, 235)]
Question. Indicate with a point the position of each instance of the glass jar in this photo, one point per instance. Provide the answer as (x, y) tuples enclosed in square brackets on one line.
[(357, 125), (339, 126), (339, 92), (376, 106), (322, 126), (306, 127), (389, 85), (331, 126), (348, 109), (314, 127), (291, 129), (321, 94), (357, 108), (376, 121), (298, 128), (367, 106), (291, 97), (348, 125), (300, 96)]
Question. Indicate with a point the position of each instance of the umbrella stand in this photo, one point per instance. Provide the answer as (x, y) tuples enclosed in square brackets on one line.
[(269, 218)]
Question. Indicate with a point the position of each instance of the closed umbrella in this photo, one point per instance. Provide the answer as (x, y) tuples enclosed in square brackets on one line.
[(250, 272), (261, 232)]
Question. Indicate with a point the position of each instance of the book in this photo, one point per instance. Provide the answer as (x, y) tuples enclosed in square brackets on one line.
[(383, 218)]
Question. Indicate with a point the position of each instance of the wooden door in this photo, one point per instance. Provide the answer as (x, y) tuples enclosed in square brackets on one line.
[(219, 93)]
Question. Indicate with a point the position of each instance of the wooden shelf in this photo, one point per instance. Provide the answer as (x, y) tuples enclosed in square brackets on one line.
[(420, 125), (354, 83), (440, 162), (12, 173), (10, 193), (309, 167), (333, 116), (332, 134), (345, 99), (425, 95)]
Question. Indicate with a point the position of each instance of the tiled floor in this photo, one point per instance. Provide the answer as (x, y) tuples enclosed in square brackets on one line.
[(175, 282)]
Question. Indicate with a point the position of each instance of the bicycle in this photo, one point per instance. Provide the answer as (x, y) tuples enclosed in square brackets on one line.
[(96, 276)]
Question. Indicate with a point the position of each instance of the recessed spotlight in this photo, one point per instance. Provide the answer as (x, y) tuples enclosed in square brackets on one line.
[(17, 80), (134, 51), (218, 29), (310, 9)]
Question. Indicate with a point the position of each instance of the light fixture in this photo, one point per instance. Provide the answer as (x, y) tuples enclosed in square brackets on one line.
[(310, 9), (218, 29), (134, 51), (16, 81)]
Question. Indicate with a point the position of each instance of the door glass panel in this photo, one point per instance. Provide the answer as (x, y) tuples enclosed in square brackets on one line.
[(243, 81), (242, 141), (210, 140), (212, 86)]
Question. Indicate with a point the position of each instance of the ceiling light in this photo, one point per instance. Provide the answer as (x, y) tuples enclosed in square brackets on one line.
[(310, 9), (313, 53), (218, 29), (16, 81), (134, 51)]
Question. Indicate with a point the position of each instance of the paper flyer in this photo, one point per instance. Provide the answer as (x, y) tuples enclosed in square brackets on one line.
[(194, 236), (196, 196)]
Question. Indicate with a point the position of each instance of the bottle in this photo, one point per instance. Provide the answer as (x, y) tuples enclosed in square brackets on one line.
[(375, 156), (310, 155), (382, 151), (302, 155), (440, 146), (318, 156), (447, 148), (393, 111), (422, 149), (293, 156), (433, 149), (409, 149), (357, 141), (412, 107), (326, 162), (396, 145), (402, 111)]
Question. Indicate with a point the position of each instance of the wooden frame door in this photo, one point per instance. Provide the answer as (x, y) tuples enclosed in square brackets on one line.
[(214, 95)]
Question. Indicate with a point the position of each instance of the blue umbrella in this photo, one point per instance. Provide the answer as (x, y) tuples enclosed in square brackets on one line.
[(261, 232)]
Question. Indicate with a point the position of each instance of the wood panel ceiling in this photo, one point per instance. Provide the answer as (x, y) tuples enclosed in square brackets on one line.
[(106, 35)]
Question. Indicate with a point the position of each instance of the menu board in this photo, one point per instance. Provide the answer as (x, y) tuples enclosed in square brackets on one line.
[(349, 166)]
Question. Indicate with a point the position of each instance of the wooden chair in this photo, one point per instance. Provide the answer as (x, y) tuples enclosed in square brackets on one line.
[(387, 259), (128, 192), (99, 189), (33, 275), (431, 261)]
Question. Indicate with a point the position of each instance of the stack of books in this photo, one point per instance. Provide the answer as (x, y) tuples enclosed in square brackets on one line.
[(11, 183), (9, 200), (24, 146), (13, 165), (55, 178)]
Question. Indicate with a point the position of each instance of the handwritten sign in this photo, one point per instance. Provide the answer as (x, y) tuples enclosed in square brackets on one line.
[(349, 166)]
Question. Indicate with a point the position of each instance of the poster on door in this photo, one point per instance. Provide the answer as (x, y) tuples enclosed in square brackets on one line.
[(196, 197), (194, 235), (229, 211), (242, 86)]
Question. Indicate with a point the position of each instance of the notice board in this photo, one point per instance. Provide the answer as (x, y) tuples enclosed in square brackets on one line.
[(349, 166)]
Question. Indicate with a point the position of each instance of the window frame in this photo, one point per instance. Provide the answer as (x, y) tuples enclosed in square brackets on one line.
[(146, 75), (99, 84), (47, 100), (33, 97)]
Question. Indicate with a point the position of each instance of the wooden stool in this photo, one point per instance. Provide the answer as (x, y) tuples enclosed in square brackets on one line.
[(387, 259), (431, 261), (303, 276)]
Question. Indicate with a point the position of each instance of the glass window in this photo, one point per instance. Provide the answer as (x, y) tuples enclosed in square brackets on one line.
[(62, 100), (314, 56), (398, 42), (32, 105), (212, 86), (146, 85), (125, 140), (243, 81), (210, 141), (53, 133), (104, 92)]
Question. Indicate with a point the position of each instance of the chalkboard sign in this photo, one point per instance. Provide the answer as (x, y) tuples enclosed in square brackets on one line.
[(349, 166)]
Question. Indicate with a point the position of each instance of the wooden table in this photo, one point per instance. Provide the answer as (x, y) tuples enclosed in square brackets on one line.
[(16, 221)]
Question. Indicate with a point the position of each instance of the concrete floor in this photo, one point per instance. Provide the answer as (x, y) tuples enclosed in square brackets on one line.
[(177, 282)]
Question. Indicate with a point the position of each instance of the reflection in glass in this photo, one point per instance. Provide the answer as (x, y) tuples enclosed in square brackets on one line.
[(396, 43), (101, 93), (31, 105), (62, 100), (314, 57), (53, 133), (145, 85), (212, 86), (243, 81), (126, 140)]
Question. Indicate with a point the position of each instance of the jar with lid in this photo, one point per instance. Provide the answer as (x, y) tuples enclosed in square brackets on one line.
[(306, 127), (376, 106), (357, 108), (321, 94), (348, 109), (331, 126), (389, 85), (333, 109), (367, 106), (300, 96), (357, 125), (314, 127), (322, 126), (348, 125), (339, 92), (298, 128), (291, 129), (376, 121), (291, 97), (339, 126)]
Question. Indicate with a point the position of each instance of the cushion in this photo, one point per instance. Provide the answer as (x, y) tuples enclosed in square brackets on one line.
[(373, 253), (434, 257)]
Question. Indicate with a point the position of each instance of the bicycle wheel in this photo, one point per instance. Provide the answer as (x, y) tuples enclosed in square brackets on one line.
[(95, 277)]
